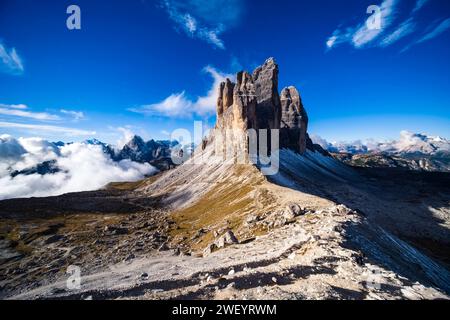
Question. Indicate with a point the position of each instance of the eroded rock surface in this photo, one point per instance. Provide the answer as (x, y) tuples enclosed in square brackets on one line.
[(253, 102)]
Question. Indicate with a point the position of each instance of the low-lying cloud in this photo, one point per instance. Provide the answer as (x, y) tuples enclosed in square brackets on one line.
[(81, 167), (408, 142)]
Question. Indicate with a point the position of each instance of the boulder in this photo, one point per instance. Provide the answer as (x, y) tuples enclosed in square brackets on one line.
[(227, 239), (209, 249)]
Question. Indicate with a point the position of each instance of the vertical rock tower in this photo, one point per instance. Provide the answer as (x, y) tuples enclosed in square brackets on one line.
[(253, 102), (294, 120)]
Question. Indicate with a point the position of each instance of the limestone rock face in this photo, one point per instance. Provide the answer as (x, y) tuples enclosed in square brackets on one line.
[(294, 120), (268, 99), (236, 103), (253, 102), (225, 99)]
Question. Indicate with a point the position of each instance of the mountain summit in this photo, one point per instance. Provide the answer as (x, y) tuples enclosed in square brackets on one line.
[(254, 102)]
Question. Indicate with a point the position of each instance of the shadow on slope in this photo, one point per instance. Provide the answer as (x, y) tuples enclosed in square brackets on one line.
[(402, 210)]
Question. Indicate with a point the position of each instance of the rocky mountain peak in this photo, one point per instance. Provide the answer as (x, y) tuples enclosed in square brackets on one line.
[(294, 120), (254, 102), (136, 143)]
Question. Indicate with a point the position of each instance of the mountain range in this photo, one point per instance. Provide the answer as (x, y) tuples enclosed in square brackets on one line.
[(229, 228), (411, 151), (156, 153)]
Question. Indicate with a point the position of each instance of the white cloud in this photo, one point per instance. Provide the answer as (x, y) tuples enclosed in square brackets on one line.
[(179, 105), (436, 31), (10, 148), (82, 167), (204, 19), (77, 115), (165, 133), (19, 111), (127, 135), (14, 106), (190, 23), (361, 35), (406, 28), (441, 28), (419, 5), (320, 141), (47, 128), (175, 105), (365, 35), (10, 61), (332, 41)]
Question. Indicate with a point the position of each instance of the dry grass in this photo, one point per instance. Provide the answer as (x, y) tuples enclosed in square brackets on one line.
[(225, 206), (23, 232), (131, 186)]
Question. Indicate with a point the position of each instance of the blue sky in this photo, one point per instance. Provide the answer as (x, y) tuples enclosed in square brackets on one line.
[(151, 66)]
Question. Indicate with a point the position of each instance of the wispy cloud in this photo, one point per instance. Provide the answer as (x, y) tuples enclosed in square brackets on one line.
[(406, 28), (14, 106), (419, 5), (432, 33), (165, 133), (10, 61), (47, 128), (364, 35), (20, 110), (361, 36), (441, 28), (180, 106), (199, 18), (76, 115), (127, 135)]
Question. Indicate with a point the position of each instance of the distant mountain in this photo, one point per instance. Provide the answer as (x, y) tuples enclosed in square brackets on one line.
[(46, 167), (412, 151), (409, 143), (157, 153), (413, 143)]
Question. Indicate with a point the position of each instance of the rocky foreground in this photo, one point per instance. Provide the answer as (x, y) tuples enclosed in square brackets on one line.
[(283, 242)]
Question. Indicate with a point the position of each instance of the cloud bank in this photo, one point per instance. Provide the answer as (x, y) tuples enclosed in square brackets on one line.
[(82, 167)]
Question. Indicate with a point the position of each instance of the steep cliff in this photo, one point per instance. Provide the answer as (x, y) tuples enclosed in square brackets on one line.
[(253, 102)]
